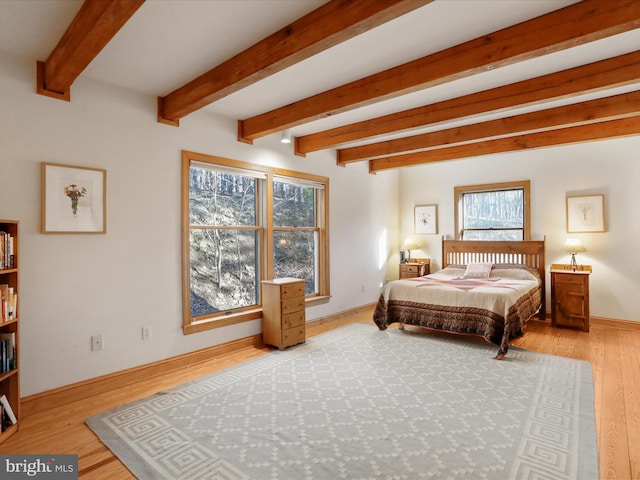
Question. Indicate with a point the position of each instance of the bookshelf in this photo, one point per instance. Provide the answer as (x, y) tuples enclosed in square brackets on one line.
[(9, 325)]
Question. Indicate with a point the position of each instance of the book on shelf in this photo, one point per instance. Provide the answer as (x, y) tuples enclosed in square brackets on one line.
[(8, 410), (9, 299), (7, 352), (5, 421), (7, 257)]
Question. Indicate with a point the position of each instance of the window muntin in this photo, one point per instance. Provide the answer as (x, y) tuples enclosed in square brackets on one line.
[(493, 211), (243, 223)]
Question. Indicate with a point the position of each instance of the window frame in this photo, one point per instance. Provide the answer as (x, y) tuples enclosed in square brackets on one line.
[(460, 191), (319, 195), (264, 220)]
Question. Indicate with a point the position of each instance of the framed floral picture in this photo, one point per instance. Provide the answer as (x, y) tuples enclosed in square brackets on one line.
[(73, 199), (585, 214), (426, 219)]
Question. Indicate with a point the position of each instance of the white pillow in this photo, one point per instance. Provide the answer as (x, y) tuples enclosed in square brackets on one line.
[(478, 270)]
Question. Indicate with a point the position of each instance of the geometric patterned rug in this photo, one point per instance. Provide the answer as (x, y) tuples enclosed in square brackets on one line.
[(358, 403)]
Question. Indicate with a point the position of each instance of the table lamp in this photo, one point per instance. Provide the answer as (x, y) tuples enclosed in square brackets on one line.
[(410, 244), (573, 246)]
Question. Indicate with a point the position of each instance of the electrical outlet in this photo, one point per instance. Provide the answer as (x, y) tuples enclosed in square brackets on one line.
[(96, 343), (146, 333)]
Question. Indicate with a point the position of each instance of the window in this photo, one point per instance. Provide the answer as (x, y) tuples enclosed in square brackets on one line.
[(497, 211), (243, 223), (296, 230), (223, 240)]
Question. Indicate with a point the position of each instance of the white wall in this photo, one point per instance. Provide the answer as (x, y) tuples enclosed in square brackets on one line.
[(610, 167), (75, 286)]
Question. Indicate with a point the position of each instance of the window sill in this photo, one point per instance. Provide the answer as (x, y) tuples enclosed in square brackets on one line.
[(235, 318), (225, 321), (310, 301)]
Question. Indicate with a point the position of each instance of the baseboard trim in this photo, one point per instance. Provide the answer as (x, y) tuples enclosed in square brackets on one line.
[(610, 323), (337, 317), (614, 323), (60, 396), (64, 395)]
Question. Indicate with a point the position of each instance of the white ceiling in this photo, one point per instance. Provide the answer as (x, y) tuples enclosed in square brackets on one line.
[(170, 42)]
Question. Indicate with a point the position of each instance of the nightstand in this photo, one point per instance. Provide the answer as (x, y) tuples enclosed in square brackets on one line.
[(416, 268), (570, 296)]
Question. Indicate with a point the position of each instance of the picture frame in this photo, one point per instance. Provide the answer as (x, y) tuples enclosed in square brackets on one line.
[(426, 219), (73, 199), (585, 214)]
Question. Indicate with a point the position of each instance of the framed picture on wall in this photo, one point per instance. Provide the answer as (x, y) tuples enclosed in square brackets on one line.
[(585, 214), (73, 199), (426, 219)]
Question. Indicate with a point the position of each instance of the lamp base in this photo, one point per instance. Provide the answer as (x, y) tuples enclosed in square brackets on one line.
[(574, 265)]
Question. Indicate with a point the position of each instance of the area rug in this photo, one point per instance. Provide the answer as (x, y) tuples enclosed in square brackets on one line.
[(358, 403)]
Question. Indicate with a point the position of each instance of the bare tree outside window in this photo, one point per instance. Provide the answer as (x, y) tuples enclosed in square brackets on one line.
[(295, 233), (245, 223), (223, 241), (493, 212)]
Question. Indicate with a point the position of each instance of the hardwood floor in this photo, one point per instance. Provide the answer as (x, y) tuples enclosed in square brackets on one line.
[(613, 352), (615, 356)]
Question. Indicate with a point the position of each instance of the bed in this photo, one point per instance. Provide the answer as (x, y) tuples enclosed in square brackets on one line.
[(485, 288)]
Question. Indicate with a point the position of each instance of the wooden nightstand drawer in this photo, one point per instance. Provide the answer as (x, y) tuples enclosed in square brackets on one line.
[(292, 290), (290, 305), (569, 278), (409, 268), (293, 320), (412, 270), (293, 336)]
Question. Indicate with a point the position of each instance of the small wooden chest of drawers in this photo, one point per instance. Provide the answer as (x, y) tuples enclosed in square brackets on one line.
[(570, 297), (283, 313), (414, 269)]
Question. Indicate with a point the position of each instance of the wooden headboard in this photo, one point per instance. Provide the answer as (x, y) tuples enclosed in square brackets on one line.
[(530, 253)]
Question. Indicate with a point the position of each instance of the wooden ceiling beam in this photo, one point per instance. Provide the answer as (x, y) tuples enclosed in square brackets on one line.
[(605, 74), (608, 108), (95, 24), (610, 129), (328, 25), (576, 24)]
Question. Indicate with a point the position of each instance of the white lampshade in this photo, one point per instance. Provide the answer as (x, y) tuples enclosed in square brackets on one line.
[(573, 245), (410, 244)]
